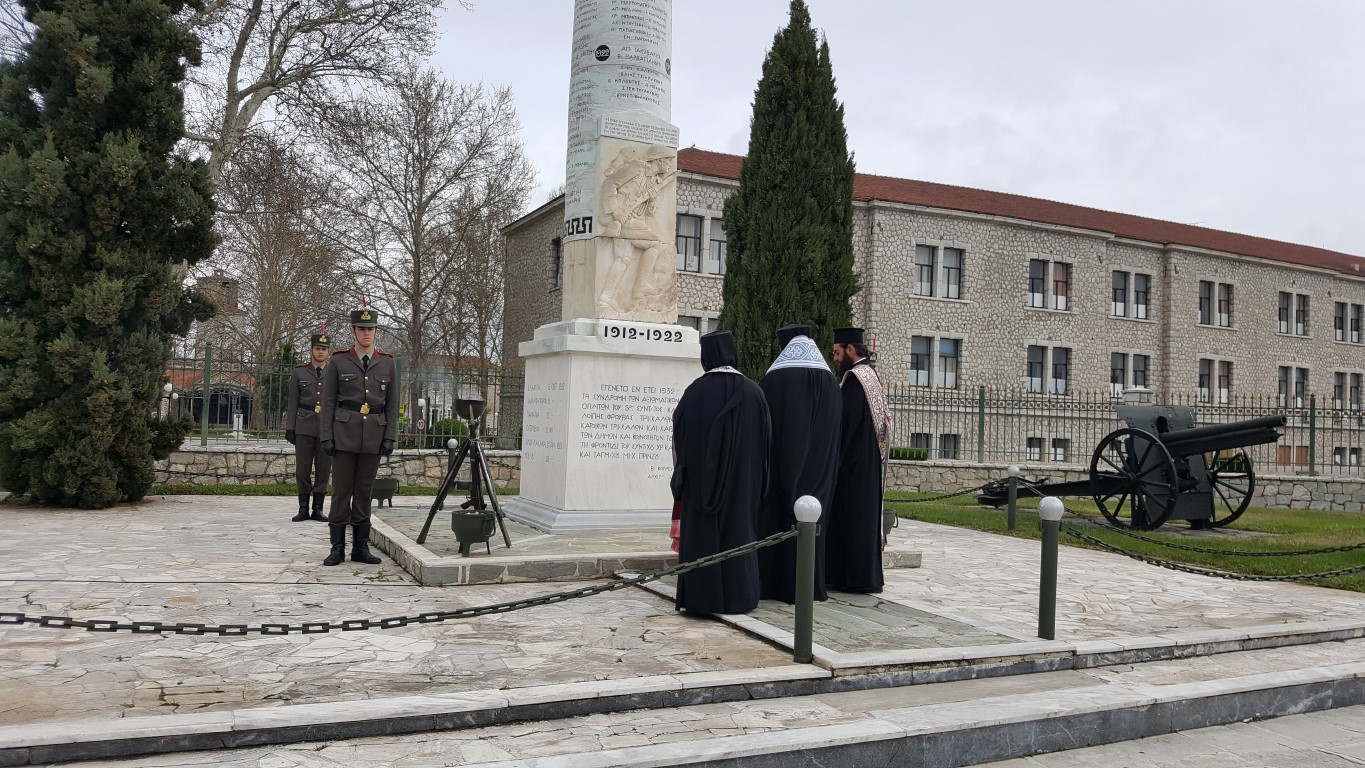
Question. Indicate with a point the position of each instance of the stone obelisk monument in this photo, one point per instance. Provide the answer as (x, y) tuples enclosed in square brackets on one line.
[(602, 383)]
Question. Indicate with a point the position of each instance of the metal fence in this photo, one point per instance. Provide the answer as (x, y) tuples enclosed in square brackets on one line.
[(247, 401), (1323, 436)]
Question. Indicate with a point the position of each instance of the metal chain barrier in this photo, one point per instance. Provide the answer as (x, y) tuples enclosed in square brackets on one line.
[(1206, 571), (1206, 550), (350, 625), (942, 496)]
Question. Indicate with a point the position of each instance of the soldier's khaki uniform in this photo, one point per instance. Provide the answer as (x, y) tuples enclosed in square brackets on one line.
[(359, 411), (312, 466)]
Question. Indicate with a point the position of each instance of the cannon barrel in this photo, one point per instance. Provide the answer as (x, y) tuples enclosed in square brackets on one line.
[(1215, 437)]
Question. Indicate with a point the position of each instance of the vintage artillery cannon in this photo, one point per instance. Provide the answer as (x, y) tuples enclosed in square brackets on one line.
[(1162, 467)]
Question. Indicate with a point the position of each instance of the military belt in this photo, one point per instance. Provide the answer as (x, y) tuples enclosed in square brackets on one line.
[(373, 409)]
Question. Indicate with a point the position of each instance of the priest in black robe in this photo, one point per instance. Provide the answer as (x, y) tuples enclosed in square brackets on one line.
[(804, 402), (853, 549), (720, 469)]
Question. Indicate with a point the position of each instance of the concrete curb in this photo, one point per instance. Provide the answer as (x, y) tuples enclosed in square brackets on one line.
[(94, 739)]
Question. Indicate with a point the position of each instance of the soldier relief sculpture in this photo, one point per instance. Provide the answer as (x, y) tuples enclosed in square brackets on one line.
[(640, 283)]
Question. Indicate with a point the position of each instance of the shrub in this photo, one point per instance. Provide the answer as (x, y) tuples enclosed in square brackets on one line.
[(909, 454)]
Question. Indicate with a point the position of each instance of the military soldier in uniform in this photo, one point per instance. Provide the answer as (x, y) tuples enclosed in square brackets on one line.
[(301, 429), (359, 423)]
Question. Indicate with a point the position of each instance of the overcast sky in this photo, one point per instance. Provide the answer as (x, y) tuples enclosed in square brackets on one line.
[(1245, 115)]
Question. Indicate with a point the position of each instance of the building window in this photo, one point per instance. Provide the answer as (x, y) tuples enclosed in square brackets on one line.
[(924, 368), (1130, 294), (919, 360), (1224, 381), (556, 264), (1293, 386), (1205, 380), (1215, 303), (948, 350), (1142, 292), (1049, 285), (1037, 283), (1224, 305), (938, 271), (691, 321), (1061, 286), (1058, 383), (1294, 313), (1346, 457), (924, 270), (1119, 292), (1118, 371), (1035, 448), (720, 247), (1346, 390), (689, 243), (1346, 322), (1141, 364), (1061, 448), (948, 445), (920, 440)]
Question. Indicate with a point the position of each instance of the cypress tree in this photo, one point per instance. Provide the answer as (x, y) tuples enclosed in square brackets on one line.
[(97, 212), (790, 225)]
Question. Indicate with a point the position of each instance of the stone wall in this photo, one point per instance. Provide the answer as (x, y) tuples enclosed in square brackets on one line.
[(264, 465)]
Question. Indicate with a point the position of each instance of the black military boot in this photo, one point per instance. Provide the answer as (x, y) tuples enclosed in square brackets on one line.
[(303, 508), (317, 506), (360, 548), (338, 534)]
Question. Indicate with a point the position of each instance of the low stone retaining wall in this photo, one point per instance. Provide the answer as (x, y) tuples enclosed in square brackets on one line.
[(266, 464), (261, 464)]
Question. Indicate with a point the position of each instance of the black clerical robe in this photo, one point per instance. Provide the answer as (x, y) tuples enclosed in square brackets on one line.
[(804, 404), (853, 546), (720, 444)]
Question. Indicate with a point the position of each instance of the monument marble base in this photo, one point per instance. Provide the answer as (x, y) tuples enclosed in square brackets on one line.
[(597, 428)]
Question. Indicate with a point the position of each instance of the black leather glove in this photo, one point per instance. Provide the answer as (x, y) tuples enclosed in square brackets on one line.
[(385, 447), (289, 435), (329, 447)]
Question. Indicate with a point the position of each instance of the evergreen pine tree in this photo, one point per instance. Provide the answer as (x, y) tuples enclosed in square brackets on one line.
[(790, 225), (96, 213)]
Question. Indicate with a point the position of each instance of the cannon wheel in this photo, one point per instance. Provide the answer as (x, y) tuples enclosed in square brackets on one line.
[(1233, 482), (1134, 479)]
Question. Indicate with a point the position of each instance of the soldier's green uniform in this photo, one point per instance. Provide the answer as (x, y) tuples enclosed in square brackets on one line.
[(311, 464), (359, 422)]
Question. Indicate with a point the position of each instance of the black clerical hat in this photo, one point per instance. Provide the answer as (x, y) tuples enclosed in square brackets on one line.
[(848, 336), (786, 333), (718, 349), (320, 340)]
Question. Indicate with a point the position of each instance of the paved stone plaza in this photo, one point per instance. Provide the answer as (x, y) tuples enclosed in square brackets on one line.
[(240, 560)]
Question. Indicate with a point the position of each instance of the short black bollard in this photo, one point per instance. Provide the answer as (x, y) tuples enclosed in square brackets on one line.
[(807, 511), (1050, 512)]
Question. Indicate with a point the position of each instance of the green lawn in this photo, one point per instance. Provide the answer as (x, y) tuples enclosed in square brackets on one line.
[(1283, 529)]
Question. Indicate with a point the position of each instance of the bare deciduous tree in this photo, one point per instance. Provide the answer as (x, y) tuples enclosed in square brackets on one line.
[(264, 57), (15, 31), (427, 172), (288, 274)]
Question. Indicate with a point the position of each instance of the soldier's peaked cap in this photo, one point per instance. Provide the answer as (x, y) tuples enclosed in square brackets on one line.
[(364, 318), (320, 340)]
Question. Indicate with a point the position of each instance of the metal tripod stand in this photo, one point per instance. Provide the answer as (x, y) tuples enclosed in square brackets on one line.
[(479, 480)]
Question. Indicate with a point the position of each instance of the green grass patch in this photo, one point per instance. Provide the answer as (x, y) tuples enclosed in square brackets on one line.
[(1283, 529)]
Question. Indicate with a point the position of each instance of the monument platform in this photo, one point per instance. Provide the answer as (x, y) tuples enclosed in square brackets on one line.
[(940, 669), (534, 555)]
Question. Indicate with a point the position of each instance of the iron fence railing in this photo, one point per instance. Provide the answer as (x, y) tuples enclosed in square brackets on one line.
[(1323, 436), (247, 401)]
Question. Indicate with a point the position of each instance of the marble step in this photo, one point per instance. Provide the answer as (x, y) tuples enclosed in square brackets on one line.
[(720, 719)]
